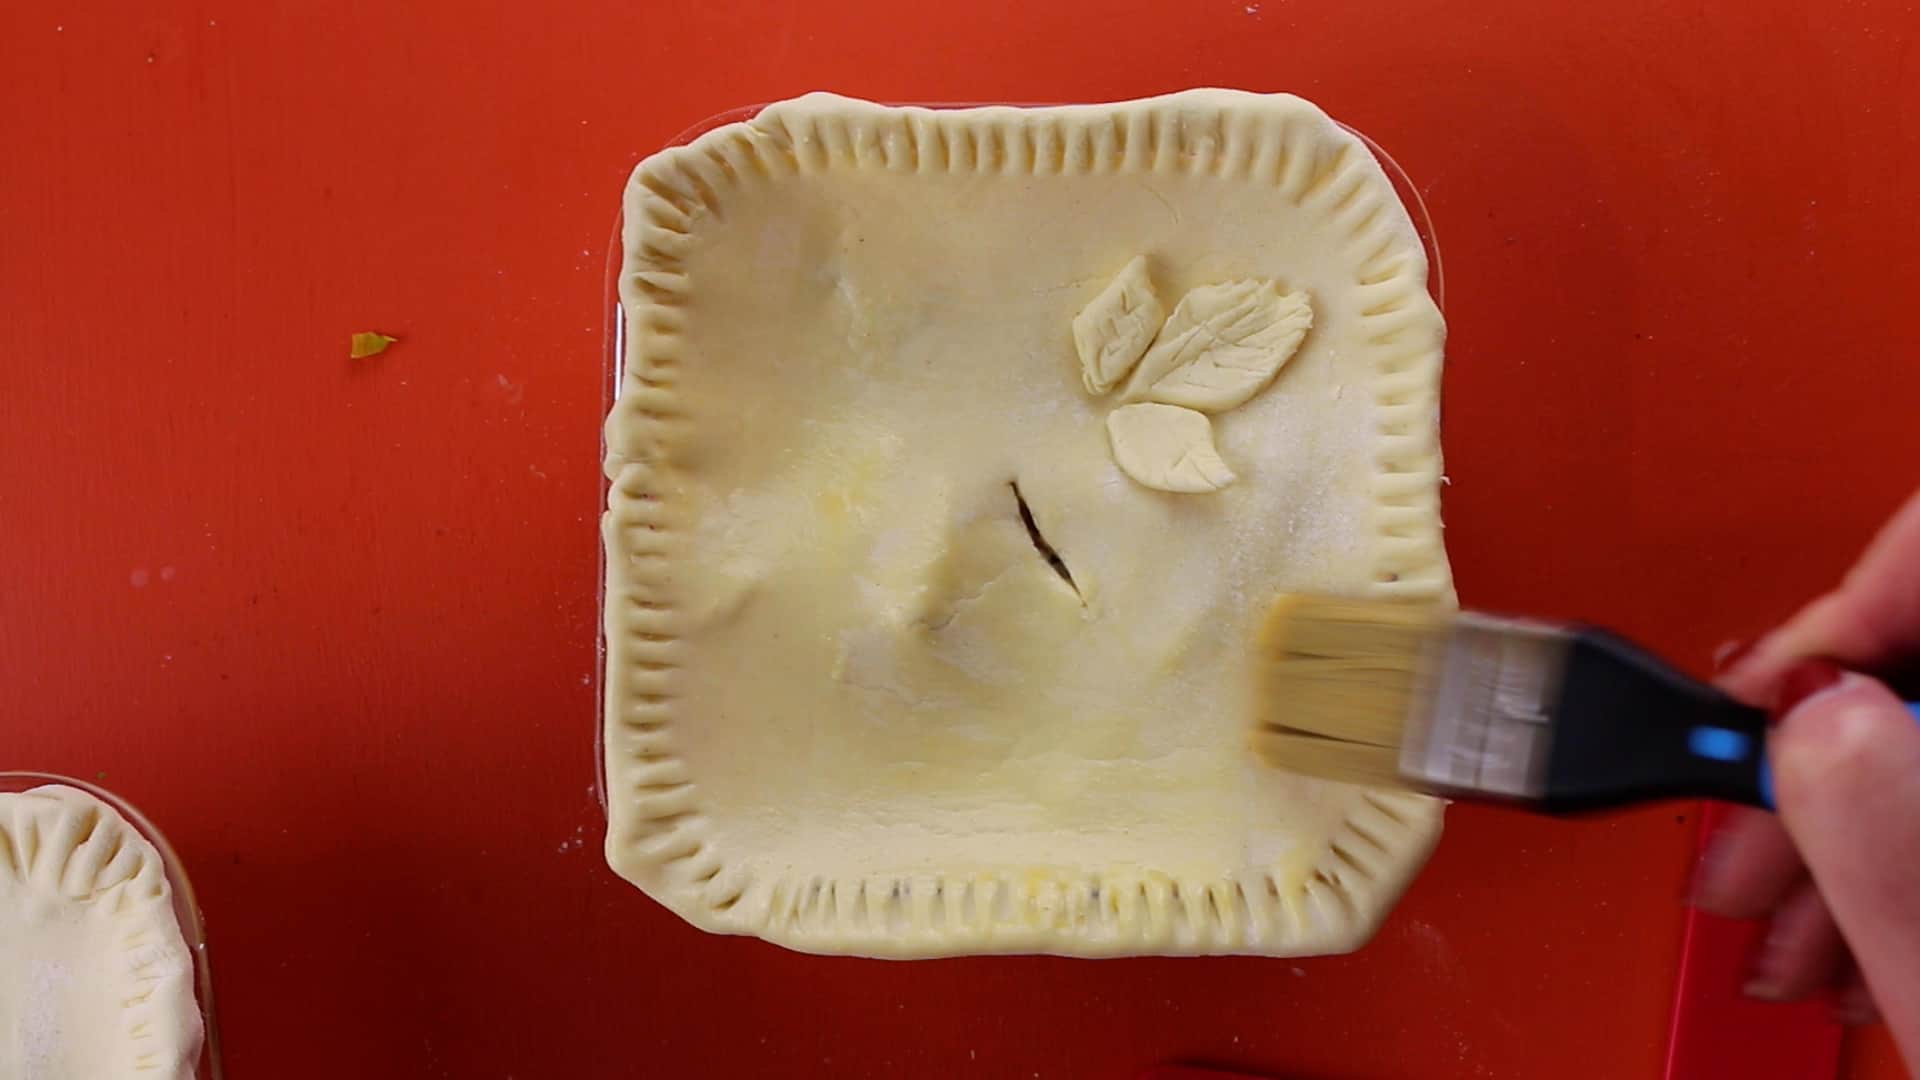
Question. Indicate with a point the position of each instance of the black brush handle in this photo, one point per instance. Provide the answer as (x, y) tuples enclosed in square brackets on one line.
[(1628, 728)]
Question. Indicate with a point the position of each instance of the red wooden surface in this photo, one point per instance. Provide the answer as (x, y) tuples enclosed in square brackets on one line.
[(331, 623)]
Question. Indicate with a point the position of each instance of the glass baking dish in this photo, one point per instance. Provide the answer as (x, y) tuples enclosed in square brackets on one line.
[(615, 342), (186, 909)]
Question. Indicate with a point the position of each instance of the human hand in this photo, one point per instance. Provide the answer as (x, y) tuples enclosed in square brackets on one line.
[(1837, 872)]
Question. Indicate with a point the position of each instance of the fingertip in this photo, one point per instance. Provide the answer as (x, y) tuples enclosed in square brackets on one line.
[(1801, 681), (1853, 1003), (1748, 865), (1712, 889), (1728, 654), (1855, 1015), (1748, 670), (1801, 953), (1835, 737)]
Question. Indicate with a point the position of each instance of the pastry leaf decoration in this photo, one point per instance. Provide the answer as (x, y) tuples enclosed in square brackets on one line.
[(1223, 344)]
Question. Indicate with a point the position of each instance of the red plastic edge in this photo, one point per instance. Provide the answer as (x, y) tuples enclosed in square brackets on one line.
[(1193, 1073)]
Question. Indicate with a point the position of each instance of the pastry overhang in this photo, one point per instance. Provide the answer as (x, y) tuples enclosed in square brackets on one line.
[(899, 660)]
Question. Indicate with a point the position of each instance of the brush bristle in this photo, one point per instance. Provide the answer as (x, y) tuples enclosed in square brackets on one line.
[(1330, 759), (1340, 679)]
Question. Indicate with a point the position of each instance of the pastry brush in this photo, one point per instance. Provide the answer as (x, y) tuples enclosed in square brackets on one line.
[(1562, 718)]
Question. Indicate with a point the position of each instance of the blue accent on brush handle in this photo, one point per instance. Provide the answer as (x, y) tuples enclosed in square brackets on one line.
[(1720, 744), (1705, 736)]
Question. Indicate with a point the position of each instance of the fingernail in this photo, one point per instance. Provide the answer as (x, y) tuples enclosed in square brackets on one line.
[(1854, 1006), (1763, 981), (1852, 1016), (1802, 681), (1763, 975), (1730, 653)]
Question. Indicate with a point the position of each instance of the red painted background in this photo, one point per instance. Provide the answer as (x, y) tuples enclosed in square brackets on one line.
[(331, 623)]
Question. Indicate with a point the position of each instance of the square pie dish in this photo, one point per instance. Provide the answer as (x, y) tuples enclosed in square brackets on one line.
[(956, 457)]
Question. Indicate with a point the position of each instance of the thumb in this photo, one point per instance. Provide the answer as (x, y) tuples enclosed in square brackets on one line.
[(1846, 766)]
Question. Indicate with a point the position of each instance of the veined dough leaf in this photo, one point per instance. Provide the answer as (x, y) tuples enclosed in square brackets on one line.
[(1167, 448), (1113, 331), (1222, 345)]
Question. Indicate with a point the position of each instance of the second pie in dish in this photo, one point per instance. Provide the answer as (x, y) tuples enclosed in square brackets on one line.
[(96, 979), (957, 456)]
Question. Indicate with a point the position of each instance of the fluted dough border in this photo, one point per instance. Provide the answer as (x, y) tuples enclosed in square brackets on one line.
[(657, 836), (64, 848)]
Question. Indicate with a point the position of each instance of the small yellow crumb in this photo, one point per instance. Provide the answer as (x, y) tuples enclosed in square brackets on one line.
[(368, 343)]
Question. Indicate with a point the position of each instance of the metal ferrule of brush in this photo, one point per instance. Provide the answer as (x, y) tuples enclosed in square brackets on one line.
[(1482, 719)]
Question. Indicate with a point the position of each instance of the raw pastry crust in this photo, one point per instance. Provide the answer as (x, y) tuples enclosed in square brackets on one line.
[(96, 979), (898, 662)]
